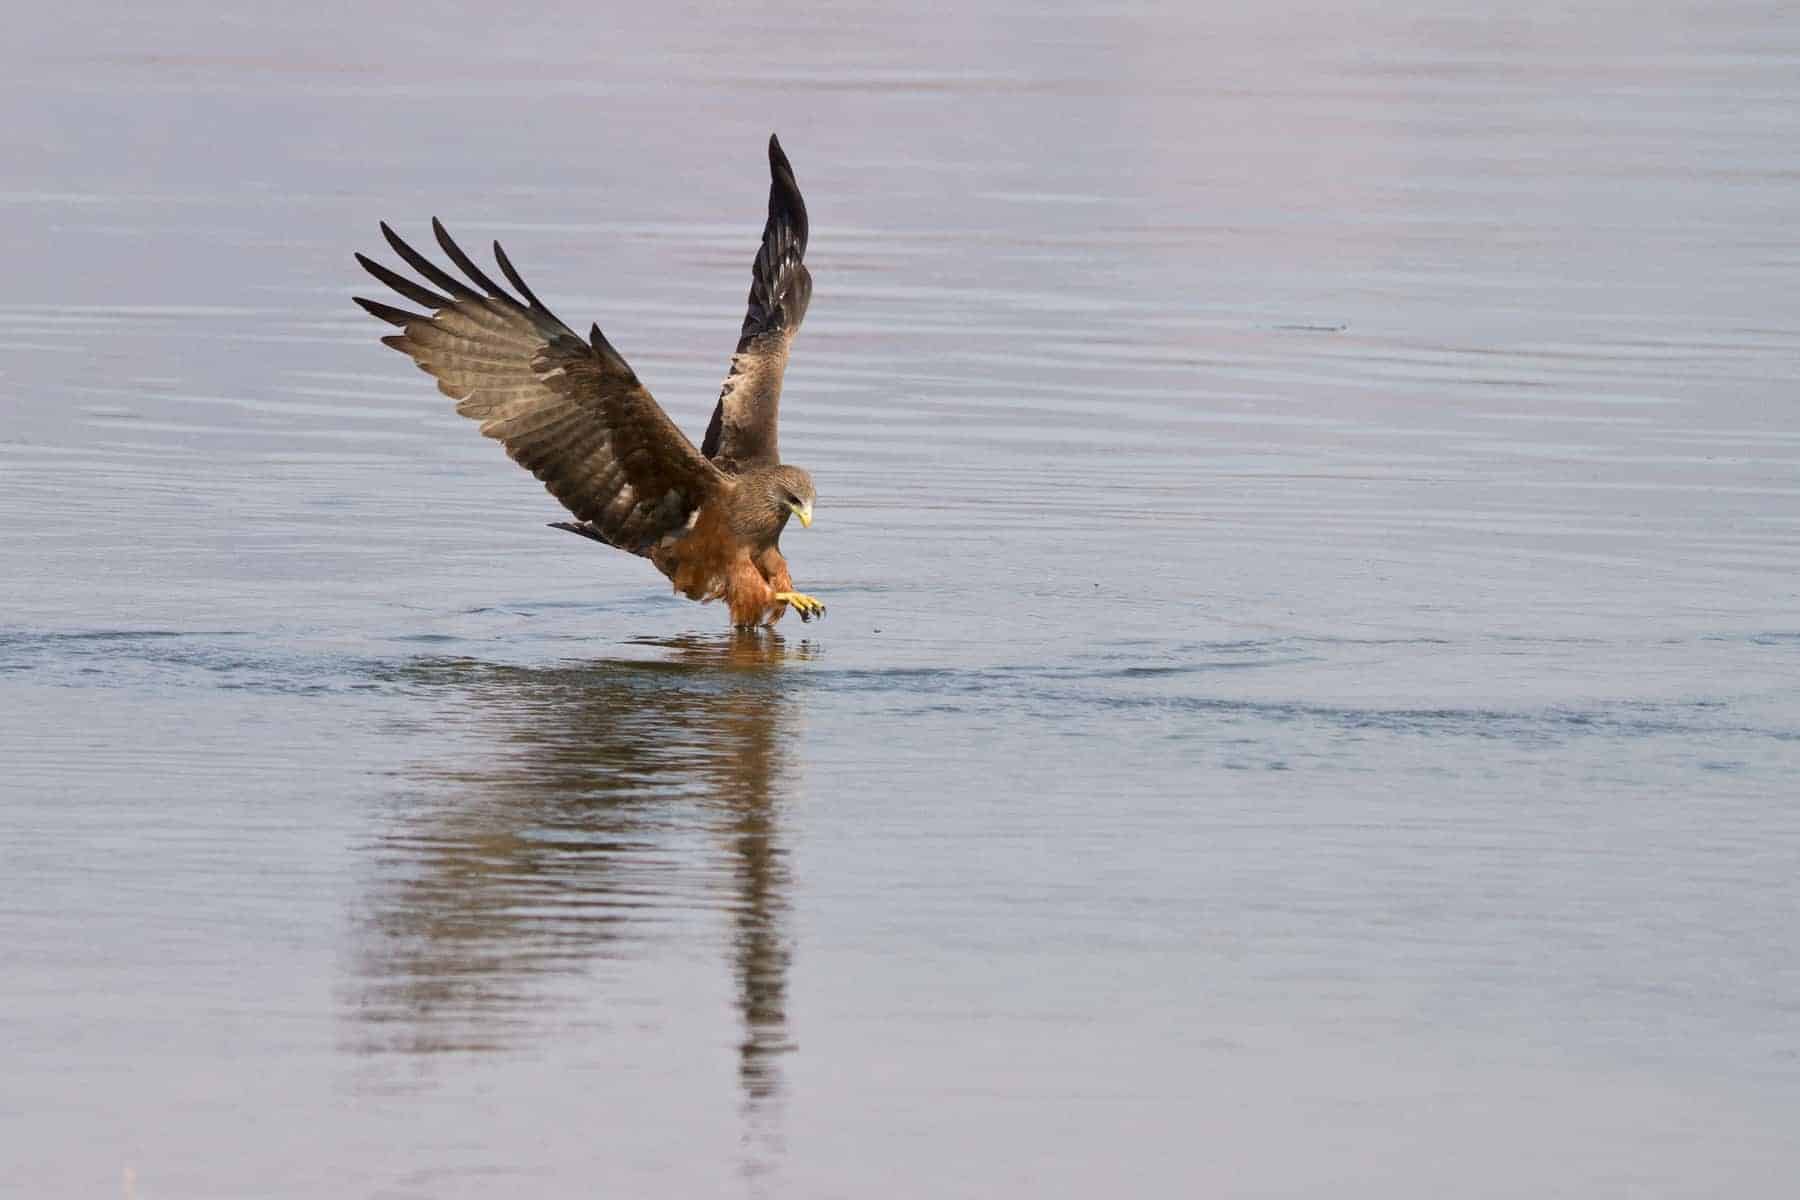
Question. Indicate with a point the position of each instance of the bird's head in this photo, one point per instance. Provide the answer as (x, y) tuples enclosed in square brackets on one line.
[(794, 492), (777, 493)]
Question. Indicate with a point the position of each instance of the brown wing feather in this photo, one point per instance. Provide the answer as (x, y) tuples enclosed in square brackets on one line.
[(743, 429), (571, 411)]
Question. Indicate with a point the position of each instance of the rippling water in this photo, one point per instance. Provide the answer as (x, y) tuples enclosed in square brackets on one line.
[(1309, 507)]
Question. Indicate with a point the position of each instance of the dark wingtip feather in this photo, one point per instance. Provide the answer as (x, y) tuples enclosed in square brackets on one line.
[(465, 263), (512, 277), (393, 239), (583, 528), (780, 287), (611, 357), (387, 312), (786, 206), (427, 268), (402, 285)]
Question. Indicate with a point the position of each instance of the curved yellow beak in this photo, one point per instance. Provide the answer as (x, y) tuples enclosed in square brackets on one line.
[(804, 512)]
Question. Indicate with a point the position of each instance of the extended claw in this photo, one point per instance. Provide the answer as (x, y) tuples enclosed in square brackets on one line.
[(805, 605)]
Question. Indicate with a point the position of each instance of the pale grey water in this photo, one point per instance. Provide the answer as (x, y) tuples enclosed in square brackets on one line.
[(1311, 701)]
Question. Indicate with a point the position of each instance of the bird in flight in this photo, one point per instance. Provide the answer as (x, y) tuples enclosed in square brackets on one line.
[(572, 412)]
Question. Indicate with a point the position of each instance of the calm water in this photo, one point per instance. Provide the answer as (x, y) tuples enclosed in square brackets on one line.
[(1310, 509)]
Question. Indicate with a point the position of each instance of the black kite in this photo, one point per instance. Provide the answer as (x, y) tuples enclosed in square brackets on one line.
[(574, 414)]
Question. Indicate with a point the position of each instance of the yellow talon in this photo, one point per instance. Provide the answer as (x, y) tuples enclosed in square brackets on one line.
[(805, 605)]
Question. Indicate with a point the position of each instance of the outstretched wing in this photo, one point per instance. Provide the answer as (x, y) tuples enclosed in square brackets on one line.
[(742, 432), (570, 411)]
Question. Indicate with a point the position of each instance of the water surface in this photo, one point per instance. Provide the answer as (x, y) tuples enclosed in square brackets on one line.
[(1308, 505)]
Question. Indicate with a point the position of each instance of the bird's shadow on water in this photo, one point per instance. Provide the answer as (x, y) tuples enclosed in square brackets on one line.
[(581, 815)]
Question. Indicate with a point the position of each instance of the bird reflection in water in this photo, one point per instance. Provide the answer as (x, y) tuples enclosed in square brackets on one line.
[(586, 825)]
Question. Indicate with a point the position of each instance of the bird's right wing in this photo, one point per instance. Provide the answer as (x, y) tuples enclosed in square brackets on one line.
[(743, 429), (571, 411)]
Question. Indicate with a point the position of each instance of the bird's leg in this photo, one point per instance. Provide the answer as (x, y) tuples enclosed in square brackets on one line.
[(781, 587), (805, 605), (748, 594)]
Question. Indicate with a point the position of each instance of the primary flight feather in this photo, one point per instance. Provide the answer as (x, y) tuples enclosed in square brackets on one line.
[(571, 411)]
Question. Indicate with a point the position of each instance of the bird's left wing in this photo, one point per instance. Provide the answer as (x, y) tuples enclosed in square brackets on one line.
[(743, 429), (570, 410)]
